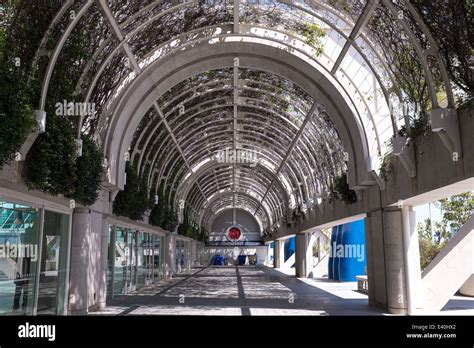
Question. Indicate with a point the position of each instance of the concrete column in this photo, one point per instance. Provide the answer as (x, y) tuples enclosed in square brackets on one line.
[(301, 257), (78, 278), (102, 294), (411, 251), (394, 261), (375, 248), (170, 255), (278, 254), (468, 288)]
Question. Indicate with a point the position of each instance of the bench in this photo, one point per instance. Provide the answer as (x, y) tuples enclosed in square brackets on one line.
[(362, 284)]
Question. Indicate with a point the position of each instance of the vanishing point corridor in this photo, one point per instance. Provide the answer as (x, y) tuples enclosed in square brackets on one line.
[(245, 290)]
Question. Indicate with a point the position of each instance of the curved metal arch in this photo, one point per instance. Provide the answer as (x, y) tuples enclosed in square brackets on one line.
[(220, 65), (361, 97), (245, 184), (242, 85), (185, 186), (303, 155), (292, 171), (336, 82), (223, 194), (214, 134), (243, 132), (214, 217), (423, 28), (208, 220)]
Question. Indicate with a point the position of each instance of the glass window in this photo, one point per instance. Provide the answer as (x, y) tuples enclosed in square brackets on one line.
[(120, 262), (54, 253), (148, 256), (142, 247), (110, 262), (19, 234), (157, 259), (131, 260)]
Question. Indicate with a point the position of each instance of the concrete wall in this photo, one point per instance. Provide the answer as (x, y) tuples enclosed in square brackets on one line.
[(435, 170), (244, 220), (232, 253)]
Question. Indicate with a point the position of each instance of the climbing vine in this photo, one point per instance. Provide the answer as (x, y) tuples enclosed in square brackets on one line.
[(52, 164), (132, 202), (342, 190)]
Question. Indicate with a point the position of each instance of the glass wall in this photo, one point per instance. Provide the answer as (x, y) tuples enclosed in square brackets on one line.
[(183, 256), (131, 260), (134, 260), (54, 252), (19, 234), (34, 254), (148, 258), (157, 258), (141, 258), (121, 252)]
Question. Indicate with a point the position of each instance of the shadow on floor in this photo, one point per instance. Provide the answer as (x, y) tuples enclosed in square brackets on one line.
[(229, 290)]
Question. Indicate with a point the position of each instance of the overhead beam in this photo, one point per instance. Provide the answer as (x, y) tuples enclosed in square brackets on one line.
[(288, 152), (358, 27), (133, 61)]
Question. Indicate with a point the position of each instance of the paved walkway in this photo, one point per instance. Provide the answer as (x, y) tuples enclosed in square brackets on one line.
[(245, 290)]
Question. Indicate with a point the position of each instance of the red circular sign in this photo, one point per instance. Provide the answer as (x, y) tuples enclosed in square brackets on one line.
[(234, 233)]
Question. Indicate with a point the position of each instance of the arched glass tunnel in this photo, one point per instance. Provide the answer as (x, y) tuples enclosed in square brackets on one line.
[(149, 140)]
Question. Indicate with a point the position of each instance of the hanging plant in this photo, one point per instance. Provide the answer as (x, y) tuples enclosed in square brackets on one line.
[(132, 202), (88, 173), (51, 162), (342, 191), (16, 113), (162, 215)]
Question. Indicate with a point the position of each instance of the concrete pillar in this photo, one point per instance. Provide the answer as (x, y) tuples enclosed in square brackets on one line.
[(394, 261), (411, 251), (375, 249), (301, 255), (278, 253), (468, 288), (170, 255), (78, 278), (102, 293)]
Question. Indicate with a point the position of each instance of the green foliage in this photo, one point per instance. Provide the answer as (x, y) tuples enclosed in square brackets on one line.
[(16, 114), (456, 211), (428, 247), (342, 190), (162, 215), (203, 235), (89, 171), (51, 162), (450, 22), (312, 35), (191, 230), (52, 166), (386, 166), (132, 202)]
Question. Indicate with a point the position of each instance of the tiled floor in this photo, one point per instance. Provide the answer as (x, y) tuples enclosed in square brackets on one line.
[(245, 290)]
